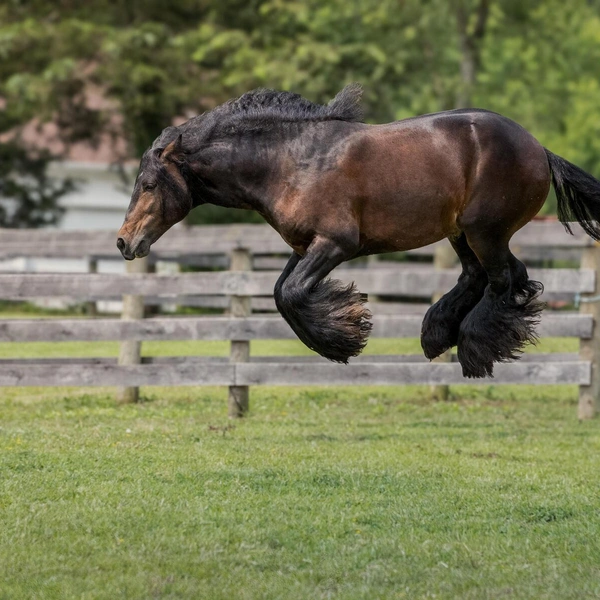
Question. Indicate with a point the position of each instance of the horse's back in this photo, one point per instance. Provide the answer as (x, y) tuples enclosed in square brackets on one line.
[(420, 178)]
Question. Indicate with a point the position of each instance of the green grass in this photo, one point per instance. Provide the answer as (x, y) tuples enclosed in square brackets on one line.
[(341, 493), (213, 348)]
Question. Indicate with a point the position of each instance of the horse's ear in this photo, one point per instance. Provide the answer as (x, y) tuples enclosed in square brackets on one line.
[(174, 151)]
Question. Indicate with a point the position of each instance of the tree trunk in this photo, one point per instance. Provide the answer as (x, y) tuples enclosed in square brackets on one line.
[(470, 48)]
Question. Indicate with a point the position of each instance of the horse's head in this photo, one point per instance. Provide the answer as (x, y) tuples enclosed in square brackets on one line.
[(160, 199)]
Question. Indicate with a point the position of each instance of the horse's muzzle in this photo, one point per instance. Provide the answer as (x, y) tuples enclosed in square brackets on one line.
[(141, 249)]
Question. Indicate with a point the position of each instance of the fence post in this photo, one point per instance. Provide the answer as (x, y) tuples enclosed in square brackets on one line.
[(444, 257), (130, 350), (91, 309), (238, 400), (589, 395), (372, 260)]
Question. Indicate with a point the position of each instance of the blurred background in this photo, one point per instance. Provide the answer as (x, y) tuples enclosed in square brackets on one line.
[(85, 87)]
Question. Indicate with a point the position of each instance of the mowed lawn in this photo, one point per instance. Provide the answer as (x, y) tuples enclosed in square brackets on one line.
[(341, 493)]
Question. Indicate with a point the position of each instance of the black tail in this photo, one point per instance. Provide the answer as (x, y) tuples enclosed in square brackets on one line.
[(578, 195)]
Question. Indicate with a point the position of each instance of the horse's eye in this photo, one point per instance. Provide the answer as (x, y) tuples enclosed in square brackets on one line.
[(149, 186)]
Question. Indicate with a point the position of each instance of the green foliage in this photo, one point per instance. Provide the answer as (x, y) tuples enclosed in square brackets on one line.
[(28, 196), (540, 68), (535, 61)]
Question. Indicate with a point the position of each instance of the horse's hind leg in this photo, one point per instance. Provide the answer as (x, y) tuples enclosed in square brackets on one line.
[(504, 321), (328, 316), (442, 321)]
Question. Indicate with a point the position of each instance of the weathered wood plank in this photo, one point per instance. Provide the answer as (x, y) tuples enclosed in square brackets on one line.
[(561, 324), (115, 375), (220, 239), (258, 303), (130, 350), (551, 233), (589, 395), (238, 401), (413, 373), (26, 285), (184, 374), (226, 328), (416, 282), (179, 235), (212, 257), (423, 281), (312, 359), (536, 234)]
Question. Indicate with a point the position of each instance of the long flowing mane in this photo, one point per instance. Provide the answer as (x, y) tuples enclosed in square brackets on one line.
[(262, 108), (287, 106)]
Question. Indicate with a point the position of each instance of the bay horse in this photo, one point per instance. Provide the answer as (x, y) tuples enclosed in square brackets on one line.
[(336, 188)]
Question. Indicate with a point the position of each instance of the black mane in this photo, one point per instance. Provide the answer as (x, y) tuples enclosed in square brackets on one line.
[(287, 106), (261, 108)]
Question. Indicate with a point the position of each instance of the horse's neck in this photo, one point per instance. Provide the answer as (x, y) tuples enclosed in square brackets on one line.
[(230, 185), (253, 176)]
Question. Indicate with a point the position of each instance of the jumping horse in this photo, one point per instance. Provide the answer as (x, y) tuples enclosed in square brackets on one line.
[(336, 188)]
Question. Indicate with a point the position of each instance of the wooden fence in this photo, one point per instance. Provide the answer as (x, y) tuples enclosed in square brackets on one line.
[(409, 281)]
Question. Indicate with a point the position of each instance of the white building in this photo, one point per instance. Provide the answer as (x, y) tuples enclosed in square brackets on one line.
[(100, 199)]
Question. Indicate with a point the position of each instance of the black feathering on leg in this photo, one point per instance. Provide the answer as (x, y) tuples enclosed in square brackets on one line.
[(498, 329), (439, 330), (330, 318), (441, 323)]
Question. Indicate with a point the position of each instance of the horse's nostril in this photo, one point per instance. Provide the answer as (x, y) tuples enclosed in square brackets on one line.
[(121, 244)]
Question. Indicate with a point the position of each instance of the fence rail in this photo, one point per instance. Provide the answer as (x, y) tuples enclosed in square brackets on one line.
[(226, 328), (262, 248), (410, 282), (285, 373), (222, 239)]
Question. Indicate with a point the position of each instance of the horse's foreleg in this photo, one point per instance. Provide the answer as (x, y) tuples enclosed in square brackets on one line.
[(504, 321), (328, 316), (442, 321)]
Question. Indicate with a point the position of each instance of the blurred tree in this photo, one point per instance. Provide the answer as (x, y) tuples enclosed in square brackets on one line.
[(535, 61), (470, 38), (28, 196)]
